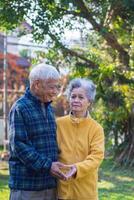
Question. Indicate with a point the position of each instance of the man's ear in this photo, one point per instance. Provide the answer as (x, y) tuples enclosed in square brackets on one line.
[(36, 85)]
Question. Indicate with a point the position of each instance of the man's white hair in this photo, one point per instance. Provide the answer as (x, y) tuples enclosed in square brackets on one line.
[(43, 72)]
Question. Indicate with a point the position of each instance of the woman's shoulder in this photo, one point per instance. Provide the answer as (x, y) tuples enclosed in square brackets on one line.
[(62, 119), (94, 123)]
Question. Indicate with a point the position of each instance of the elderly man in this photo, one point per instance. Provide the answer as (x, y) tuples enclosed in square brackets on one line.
[(33, 162)]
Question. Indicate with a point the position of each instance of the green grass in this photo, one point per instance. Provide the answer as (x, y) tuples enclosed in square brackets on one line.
[(4, 191), (4, 174), (115, 183)]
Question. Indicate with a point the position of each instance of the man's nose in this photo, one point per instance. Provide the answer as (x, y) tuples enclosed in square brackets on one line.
[(55, 90)]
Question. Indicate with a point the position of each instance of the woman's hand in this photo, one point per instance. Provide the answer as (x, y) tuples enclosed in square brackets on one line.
[(62, 171), (56, 170), (71, 173)]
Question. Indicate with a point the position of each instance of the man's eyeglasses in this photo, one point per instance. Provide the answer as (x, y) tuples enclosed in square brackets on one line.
[(53, 87)]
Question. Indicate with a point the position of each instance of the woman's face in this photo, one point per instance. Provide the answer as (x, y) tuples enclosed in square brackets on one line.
[(79, 102)]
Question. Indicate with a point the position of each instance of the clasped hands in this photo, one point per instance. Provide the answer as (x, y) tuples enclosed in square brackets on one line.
[(62, 171)]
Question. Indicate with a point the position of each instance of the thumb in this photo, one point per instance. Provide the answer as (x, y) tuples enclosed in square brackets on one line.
[(63, 165)]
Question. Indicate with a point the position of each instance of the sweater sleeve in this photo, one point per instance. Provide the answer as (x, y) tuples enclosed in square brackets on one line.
[(21, 146), (94, 159)]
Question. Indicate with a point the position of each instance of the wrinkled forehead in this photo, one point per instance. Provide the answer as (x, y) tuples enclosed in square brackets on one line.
[(50, 81), (78, 90)]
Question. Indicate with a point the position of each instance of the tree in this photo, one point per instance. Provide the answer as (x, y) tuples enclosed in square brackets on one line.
[(108, 58), (46, 16)]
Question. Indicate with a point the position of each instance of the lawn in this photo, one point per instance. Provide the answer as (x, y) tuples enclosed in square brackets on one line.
[(4, 191), (114, 183)]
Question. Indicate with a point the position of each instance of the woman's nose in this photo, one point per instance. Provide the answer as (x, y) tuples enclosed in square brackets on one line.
[(76, 99)]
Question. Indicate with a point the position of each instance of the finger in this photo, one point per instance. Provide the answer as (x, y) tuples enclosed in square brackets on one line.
[(71, 173), (61, 165), (55, 175), (64, 167), (59, 175)]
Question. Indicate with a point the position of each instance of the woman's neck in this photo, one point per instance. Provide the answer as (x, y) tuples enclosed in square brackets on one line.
[(79, 114)]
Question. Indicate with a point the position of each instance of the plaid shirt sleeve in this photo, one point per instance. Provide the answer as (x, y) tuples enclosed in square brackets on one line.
[(21, 145)]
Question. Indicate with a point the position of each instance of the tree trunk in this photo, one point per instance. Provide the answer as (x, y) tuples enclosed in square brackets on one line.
[(125, 155)]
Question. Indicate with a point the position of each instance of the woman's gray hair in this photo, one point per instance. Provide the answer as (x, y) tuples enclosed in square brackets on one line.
[(86, 84), (43, 72)]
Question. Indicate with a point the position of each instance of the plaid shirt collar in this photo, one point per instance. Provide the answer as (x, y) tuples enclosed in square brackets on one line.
[(29, 95)]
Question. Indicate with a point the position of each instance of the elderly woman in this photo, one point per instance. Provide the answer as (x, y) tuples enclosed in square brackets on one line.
[(81, 144)]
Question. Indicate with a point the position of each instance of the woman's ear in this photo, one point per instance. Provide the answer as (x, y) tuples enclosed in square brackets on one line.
[(89, 104)]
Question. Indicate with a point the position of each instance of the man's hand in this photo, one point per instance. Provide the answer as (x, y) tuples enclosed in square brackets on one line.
[(56, 170)]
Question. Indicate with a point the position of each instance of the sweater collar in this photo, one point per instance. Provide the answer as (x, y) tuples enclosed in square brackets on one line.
[(78, 120)]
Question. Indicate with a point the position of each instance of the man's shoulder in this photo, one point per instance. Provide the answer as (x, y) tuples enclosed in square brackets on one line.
[(21, 103)]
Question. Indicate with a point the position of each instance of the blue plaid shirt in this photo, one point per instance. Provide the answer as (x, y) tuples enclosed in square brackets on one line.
[(33, 146)]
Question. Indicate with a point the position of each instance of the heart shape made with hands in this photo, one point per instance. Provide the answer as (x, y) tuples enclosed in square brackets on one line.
[(69, 171)]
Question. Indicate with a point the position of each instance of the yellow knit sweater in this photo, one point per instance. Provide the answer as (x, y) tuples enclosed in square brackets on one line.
[(81, 142)]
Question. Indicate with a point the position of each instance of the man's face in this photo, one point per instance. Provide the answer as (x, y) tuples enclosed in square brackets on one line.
[(47, 90)]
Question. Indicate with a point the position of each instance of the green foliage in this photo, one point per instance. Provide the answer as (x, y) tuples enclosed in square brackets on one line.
[(13, 12), (1, 148), (24, 53)]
